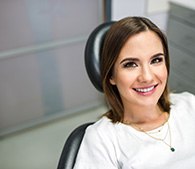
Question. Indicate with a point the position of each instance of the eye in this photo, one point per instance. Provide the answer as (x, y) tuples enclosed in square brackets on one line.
[(157, 60), (129, 65)]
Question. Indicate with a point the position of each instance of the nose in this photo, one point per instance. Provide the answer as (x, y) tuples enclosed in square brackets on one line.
[(146, 75)]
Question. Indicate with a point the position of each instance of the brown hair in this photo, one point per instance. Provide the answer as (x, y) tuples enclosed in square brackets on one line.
[(115, 39)]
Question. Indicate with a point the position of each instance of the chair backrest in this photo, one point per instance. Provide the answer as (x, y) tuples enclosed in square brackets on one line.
[(92, 54), (92, 64), (71, 147)]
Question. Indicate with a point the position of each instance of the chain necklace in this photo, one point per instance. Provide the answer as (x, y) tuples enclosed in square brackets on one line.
[(158, 130), (157, 138)]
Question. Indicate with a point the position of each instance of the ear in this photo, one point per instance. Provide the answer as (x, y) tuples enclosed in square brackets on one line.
[(112, 81)]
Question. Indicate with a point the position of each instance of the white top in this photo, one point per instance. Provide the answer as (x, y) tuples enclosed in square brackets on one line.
[(119, 146)]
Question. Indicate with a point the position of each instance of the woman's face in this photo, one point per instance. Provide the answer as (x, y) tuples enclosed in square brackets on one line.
[(140, 72)]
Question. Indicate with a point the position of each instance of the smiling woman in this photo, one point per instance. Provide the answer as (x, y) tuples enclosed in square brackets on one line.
[(140, 70), (145, 123), (137, 42)]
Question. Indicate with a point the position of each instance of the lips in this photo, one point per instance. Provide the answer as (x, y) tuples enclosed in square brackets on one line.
[(145, 89)]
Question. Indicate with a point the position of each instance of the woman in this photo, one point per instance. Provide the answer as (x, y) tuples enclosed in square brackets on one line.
[(145, 128)]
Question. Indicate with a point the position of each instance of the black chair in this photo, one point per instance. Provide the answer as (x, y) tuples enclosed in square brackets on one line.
[(71, 147), (92, 64)]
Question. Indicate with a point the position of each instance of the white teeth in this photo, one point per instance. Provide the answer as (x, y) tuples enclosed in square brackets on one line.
[(145, 90)]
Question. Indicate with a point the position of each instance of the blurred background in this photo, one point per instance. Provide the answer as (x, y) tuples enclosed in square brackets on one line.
[(44, 89)]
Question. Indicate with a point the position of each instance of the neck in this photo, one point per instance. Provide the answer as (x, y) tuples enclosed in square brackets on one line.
[(147, 118), (142, 114)]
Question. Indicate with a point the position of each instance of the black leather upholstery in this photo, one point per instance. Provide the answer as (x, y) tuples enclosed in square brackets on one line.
[(71, 147), (92, 54), (92, 64)]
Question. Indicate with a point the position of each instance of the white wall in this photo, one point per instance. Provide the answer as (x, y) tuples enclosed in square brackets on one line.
[(156, 10)]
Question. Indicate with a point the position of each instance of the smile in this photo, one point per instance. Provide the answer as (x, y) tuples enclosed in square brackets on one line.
[(145, 90)]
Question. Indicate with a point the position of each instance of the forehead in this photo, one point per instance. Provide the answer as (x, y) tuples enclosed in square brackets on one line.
[(144, 44)]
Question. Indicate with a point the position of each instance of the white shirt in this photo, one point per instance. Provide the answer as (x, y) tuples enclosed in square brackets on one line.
[(118, 146)]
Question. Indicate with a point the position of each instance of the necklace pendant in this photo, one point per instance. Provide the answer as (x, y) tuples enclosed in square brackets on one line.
[(172, 149)]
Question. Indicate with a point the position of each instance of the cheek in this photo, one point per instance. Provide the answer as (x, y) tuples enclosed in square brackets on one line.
[(124, 80)]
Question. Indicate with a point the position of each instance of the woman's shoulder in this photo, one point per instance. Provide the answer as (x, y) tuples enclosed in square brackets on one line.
[(102, 125), (102, 129), (183, 100), (182, 97)]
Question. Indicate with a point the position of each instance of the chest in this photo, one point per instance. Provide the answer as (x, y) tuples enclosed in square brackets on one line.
[(142, 152)]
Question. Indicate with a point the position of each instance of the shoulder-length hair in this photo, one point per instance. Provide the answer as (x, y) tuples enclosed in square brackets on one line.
[(115, 39)]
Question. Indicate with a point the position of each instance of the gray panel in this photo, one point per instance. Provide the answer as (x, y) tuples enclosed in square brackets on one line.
[(181, 34), (26, 22), (180, 83), (42, 60), (182, 63), (184, 13)]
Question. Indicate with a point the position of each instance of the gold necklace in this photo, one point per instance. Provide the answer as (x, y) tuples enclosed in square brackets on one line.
[(156, 138), (159, 128)]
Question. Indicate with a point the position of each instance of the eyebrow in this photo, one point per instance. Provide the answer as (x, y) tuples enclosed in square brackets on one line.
[(136, 59)]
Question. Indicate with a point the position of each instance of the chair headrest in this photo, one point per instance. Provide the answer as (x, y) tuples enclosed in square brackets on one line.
[(92, 54)]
